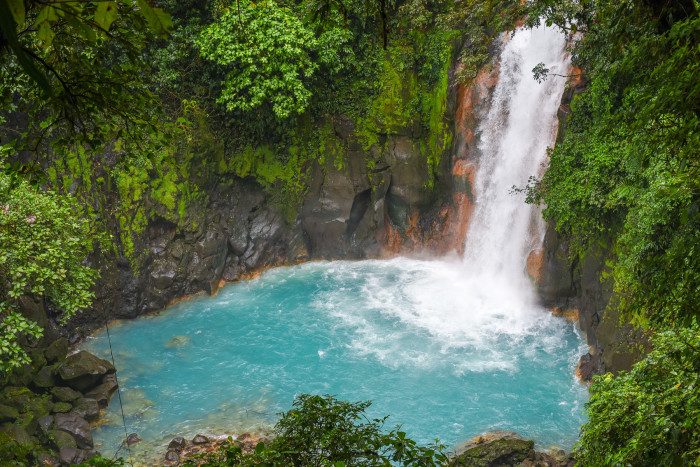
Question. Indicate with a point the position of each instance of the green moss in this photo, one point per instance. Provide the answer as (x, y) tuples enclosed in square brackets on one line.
[(394, 108), (434, 106), (412, 99)]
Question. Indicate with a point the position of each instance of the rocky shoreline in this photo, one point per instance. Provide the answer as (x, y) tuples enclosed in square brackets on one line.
[(492, 449), (53, 404)]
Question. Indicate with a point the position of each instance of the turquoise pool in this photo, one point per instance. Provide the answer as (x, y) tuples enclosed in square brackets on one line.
[(444, 354)]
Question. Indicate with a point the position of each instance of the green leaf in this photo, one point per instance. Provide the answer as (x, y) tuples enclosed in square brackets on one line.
[(106, 14), (158, 20), (45, 34), (16, 7)]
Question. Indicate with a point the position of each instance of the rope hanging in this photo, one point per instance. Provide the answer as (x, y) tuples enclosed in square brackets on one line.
[(121, 405)]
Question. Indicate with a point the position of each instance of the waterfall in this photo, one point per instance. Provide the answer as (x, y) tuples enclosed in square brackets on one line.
[(513, 139)]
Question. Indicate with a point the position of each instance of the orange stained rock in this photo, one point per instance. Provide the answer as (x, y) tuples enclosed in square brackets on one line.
[(569, 314), (535, 262)]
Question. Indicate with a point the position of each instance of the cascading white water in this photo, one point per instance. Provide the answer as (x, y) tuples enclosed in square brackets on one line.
[(521, 123)]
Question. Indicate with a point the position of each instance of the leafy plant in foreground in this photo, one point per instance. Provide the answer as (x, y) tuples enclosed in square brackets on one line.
[(43, 242), (324, 431), (651, 414)]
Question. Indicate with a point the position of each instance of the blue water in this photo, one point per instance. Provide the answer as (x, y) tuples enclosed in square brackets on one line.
[(412, 336)]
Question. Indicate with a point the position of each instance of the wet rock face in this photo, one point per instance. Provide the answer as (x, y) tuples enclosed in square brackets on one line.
[(381, 209), (238, 230)]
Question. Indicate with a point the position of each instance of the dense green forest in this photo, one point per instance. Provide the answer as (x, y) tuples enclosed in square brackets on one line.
[(114, 112)]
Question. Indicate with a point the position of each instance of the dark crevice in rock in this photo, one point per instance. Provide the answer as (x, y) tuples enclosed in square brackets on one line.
[(359, 207)]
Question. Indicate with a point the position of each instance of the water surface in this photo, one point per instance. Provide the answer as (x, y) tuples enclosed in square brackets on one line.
[(419, 338)]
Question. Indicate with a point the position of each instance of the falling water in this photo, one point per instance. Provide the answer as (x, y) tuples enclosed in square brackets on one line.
[(514, 135)]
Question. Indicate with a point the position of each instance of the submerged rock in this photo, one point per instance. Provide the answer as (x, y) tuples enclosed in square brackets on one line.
[(177, 341), (132, 439), (500, 448)]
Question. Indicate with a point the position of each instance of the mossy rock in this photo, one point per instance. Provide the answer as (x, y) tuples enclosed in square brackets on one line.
[(57, 351), (83, 371), (493, 449), (31, 407), (61, 439), (44, 378), (38, 359), (21, 376), (12, 452), (8, 414), (88, 408), (64, 394), (61, 407), (17, 397), (17, 433)]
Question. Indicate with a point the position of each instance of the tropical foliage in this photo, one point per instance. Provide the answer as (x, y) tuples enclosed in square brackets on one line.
[(324, 431), (625, 179), (43, 243), (651, 414)]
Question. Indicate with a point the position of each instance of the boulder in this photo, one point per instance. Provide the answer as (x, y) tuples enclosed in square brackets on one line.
[(499, 448), (200, 439), (132, 439), (64, 394), (76, 426), (87, 408), (103, 393), (45, 424), (62, 440), (44, 378), (82, 371), (8, 414), (172, 456), (72, 456), (61, 407), (177, 444), (57, 350)]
